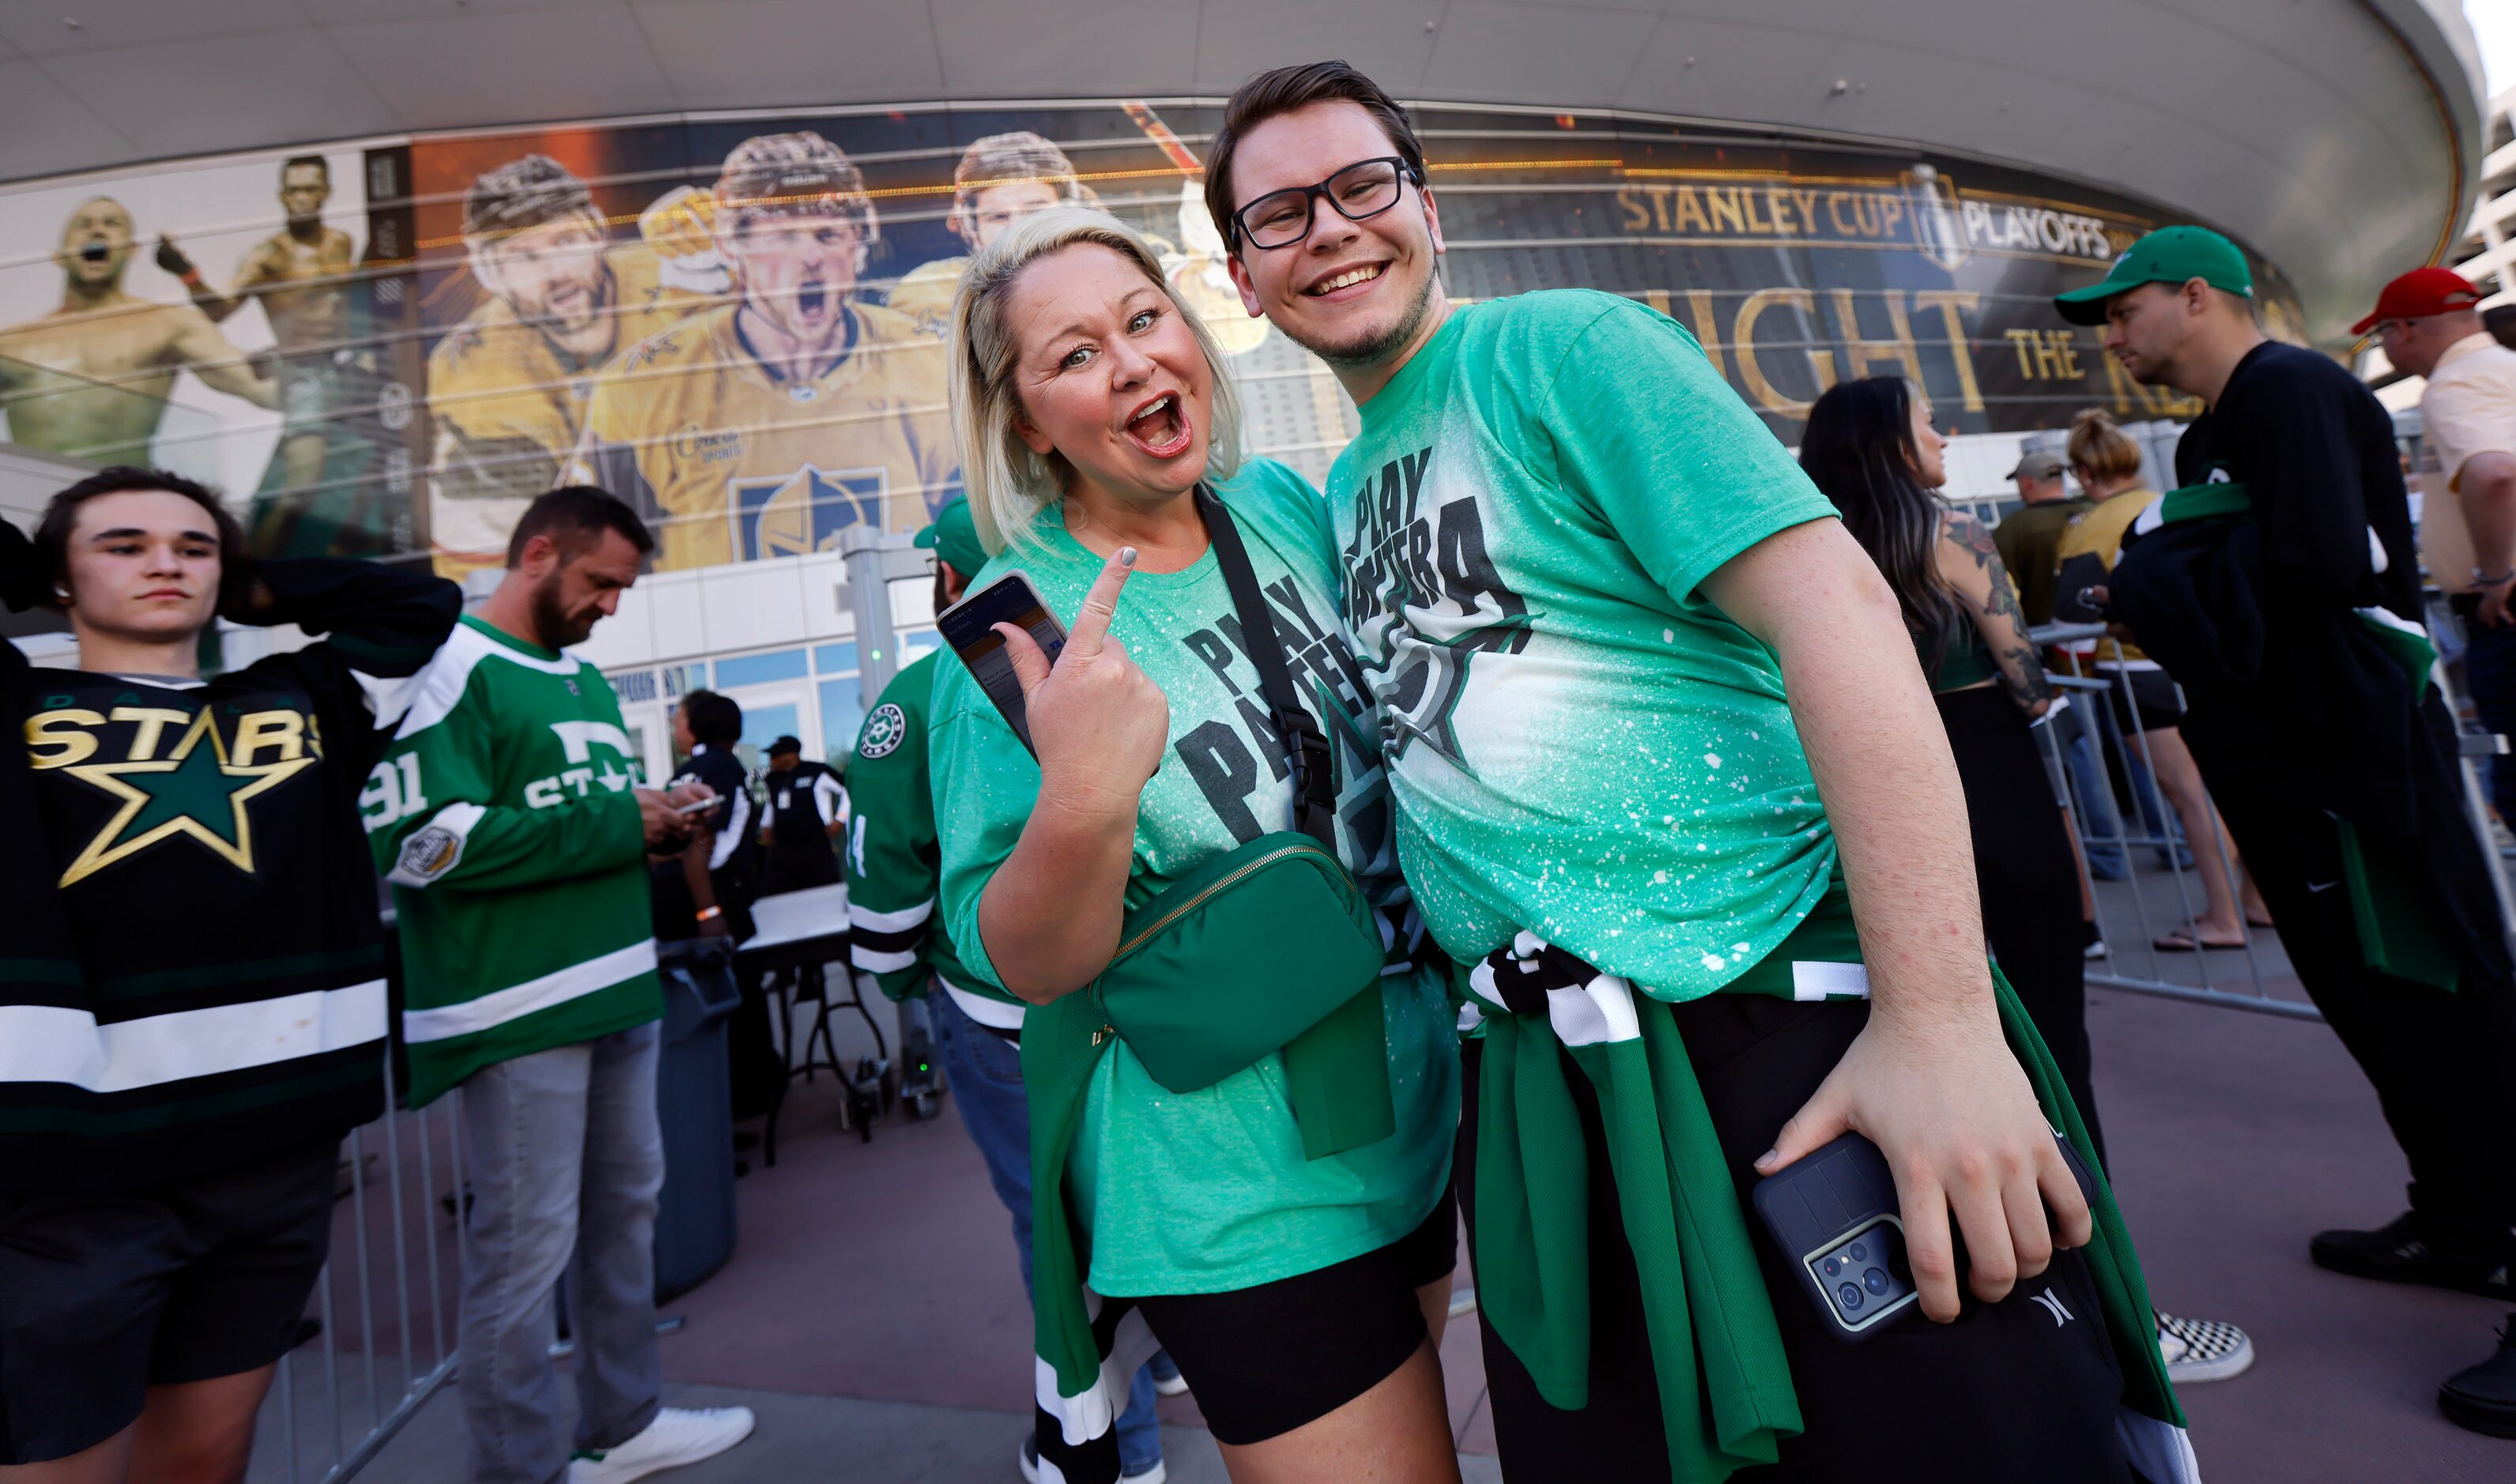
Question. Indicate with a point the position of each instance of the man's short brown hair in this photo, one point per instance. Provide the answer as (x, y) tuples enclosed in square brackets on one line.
[(574, 516), (1284, 90)]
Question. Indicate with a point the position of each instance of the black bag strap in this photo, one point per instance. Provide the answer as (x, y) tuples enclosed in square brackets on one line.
[(1306, 749)]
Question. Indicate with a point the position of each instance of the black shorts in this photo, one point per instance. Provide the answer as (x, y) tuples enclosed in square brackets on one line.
[(2006, 1393), (103, 1297), (1266, 1360), (2153, 706)]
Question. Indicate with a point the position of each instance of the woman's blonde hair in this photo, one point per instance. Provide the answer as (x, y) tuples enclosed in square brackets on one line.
[(1009, 485), (2104, 450)]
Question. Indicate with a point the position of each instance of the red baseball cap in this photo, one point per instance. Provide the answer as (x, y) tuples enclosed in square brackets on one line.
[(2419, 294)]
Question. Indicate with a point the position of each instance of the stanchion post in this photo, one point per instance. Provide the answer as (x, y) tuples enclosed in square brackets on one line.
[(874, 560)]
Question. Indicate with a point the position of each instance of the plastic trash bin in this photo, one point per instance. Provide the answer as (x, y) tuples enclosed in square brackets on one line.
[(694, 1101)]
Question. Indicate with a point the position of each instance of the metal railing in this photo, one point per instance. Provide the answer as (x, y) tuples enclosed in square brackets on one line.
[(384, 1308), (2120, 817)]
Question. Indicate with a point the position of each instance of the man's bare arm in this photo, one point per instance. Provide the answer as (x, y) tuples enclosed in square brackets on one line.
[(221, 366), (2486, 488), (217, 306), (1931, 1078)]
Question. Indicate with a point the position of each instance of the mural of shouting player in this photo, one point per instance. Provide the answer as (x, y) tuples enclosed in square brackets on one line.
[(302, 275), (507, 388), (765, 428), (90, 379)]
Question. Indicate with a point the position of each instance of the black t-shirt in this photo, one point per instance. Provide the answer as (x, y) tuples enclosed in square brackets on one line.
[(2316, 452), (803, 803), (734, 866)]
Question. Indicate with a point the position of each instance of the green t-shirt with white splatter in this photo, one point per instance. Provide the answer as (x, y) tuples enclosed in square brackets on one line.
[(1578, 742)]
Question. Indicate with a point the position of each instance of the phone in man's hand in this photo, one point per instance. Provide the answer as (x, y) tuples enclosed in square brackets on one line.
[(969, 626), (1833, 1214)]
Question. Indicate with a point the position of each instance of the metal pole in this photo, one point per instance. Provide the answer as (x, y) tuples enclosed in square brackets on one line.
[(874, 561)]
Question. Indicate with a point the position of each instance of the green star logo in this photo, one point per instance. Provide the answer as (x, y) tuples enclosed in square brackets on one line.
[(192, 791)]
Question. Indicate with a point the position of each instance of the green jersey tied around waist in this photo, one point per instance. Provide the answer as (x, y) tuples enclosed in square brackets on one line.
[(504, 817)]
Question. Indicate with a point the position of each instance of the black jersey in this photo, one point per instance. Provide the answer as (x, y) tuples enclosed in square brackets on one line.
[(194, 972)]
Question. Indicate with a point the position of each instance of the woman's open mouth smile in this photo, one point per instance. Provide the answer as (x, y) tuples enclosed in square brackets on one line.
[(1161, 428)]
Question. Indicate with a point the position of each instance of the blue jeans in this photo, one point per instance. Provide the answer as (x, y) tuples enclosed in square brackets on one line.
[(2489, 674), (563, 1156), (983, 1071), (2100, 827)]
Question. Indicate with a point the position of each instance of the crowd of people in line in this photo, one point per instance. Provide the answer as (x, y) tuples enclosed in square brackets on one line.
[(1577, 814)]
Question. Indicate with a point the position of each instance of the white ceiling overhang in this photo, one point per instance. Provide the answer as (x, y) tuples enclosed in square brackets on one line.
[(2339, 137)]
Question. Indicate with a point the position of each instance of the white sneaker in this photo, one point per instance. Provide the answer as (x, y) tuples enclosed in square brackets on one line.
[(2202, 1350), (1173, 1385), (677, 1437)]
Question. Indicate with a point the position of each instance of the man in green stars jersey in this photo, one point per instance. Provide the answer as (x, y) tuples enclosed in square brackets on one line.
[(1644, 699), (509, 817)]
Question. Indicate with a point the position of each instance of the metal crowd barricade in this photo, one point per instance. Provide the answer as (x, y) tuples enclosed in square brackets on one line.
[(385, 1305), (2131, 914)]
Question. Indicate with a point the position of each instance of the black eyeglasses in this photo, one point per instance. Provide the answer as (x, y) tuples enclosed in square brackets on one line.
[(1360, 191)]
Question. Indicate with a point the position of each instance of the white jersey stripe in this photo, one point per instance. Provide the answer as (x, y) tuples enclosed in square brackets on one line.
[(515, 1002), (996, 1015), (1822, 981), (447, 676), (867, 920), (874, 960), (49, 1043)]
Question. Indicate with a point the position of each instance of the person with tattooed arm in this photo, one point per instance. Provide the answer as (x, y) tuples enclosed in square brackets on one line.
[(1870, 448)]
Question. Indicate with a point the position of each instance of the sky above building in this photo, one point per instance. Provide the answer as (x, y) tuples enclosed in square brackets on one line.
[(2494, 25)]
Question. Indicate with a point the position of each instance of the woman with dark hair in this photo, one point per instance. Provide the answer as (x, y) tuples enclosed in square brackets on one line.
[(1871, 448)]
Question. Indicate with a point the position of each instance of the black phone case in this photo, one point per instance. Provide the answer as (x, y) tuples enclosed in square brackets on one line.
[(967, 623), (1839, 1199)]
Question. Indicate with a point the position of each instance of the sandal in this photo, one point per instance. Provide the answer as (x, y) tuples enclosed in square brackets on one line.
[(2181, 941)]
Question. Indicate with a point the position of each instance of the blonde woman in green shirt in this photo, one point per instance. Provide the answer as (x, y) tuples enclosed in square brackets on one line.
[(1301, 1297)]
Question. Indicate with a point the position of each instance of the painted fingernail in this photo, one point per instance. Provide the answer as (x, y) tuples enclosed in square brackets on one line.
[(1126, 556)]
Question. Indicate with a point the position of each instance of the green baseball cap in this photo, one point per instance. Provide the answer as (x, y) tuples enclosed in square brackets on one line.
[(2168, 255), (954, 539)]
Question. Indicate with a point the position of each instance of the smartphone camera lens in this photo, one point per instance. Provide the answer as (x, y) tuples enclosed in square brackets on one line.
[(1832, 1266), (1876, 1281), (1850, 1293), (1857, 1252)]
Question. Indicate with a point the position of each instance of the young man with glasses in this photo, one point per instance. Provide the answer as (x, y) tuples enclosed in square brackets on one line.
[(1643, 695)]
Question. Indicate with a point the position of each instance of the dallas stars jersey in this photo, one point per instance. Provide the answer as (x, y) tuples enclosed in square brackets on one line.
[(731, 463), (508, 405), (892, 860), (504, 818), (192, 972)]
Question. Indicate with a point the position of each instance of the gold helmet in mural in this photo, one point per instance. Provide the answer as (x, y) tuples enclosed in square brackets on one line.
[(799, 174), (522, 194)]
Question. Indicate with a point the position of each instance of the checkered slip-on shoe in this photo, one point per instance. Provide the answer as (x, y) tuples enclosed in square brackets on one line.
[(2202, 1350)]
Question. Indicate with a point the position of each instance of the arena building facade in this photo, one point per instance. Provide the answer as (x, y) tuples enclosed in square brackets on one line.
[(382, 269)]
